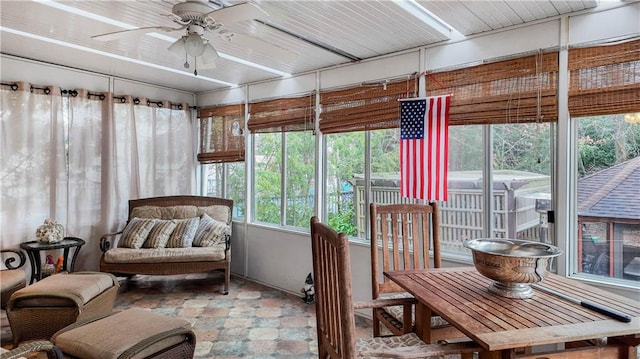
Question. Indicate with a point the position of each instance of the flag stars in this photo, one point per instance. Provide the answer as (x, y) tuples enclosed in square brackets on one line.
[(412, 115)]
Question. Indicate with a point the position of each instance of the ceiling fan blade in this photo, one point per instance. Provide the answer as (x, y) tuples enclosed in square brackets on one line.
[(236, 13), (142, 30), (258, 45)]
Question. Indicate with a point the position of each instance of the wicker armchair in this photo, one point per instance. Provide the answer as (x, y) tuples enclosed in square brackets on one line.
[(13, 277)]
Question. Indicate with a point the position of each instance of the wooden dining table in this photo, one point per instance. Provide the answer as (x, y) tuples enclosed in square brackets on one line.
[(523, 328)]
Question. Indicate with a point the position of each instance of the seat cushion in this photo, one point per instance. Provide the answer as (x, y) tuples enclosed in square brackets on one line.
[(166, 255), (397, 311), (58, 289), (410, 340), (110, 337), (11, 278)]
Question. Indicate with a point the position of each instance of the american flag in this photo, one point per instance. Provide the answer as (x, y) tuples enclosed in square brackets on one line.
[(424, 147)]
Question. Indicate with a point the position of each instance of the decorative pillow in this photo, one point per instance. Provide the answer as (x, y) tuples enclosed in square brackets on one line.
[(159, 235), (136, 231), (210, 232), (218, 212), (184, 233)]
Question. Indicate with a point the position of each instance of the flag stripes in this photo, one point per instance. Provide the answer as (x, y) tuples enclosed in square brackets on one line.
[(424, 147)]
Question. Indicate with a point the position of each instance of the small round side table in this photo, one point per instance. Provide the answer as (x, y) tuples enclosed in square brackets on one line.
[(33, 249)]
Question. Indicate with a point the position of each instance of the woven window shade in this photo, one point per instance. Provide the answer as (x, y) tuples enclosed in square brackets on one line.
[(217, 140), (364, 107), (283, 114), (604, 79), (509, 91)]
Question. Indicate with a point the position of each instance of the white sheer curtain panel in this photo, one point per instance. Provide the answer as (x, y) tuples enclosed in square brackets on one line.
[(154, 154), (85, 218), (33, 173)]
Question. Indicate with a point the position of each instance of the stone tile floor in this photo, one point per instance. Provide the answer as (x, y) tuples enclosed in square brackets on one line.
[(252, 321)]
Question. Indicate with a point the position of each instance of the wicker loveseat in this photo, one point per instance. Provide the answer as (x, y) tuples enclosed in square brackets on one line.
[(138, 248)]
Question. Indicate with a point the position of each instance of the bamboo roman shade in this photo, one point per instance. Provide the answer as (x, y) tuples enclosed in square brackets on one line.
[(510, 91), (283, 114), (604, 79), (362, 108), (221, 134)]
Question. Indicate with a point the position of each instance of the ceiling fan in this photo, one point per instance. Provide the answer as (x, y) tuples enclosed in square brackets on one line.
[(197, 17)]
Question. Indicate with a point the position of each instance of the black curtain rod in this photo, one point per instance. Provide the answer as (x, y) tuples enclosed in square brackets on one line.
[(46, 90), (13, 86)]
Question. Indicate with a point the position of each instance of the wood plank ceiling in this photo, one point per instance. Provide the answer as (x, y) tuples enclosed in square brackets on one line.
[(314, 34)]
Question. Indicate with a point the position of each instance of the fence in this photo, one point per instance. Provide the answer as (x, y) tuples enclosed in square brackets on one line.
[(462, 215)]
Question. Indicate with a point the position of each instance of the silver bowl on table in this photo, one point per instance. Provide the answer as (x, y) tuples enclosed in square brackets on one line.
[(512, 264)]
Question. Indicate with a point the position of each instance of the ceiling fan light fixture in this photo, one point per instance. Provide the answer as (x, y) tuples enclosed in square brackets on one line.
[(209, 57), (194, 45), (177, 48)]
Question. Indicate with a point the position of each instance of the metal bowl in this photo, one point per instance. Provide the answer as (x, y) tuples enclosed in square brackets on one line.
[(512, 264)]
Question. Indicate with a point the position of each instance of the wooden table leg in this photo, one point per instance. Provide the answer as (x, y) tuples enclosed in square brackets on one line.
[(423, 322)]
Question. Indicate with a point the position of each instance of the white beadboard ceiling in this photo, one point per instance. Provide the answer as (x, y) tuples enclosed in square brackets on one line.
[(343, 31)]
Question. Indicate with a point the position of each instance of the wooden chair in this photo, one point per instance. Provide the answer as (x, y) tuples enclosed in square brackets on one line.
[(335, 316), (401, 237)]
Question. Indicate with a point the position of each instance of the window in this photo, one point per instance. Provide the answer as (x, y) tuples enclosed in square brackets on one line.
[(604, 82), (284, 163), (228, 181), (268, 177), (608, 200), (299, 177), (213, 175), (521, 162), (236, 187), (345, 183), (346, 113)]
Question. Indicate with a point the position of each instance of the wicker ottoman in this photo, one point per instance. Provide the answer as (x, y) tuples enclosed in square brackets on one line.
[(133, 333), (41, 309)]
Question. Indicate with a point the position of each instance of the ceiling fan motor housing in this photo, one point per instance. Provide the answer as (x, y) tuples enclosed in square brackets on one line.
[(191, 10)]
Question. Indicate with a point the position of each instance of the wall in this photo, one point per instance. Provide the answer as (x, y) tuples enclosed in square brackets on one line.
[(13, 69), (39, 73), (282, 258)]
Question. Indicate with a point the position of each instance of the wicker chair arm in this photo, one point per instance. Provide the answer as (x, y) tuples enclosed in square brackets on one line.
[(34, 347), (14, 255), (381, 303), (76, 300), (107, 241), (186, 333), (227, 245)]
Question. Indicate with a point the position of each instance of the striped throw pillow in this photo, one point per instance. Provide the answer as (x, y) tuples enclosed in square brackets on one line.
[(210, 232), (136, 232), (159, 235), (184, 233)]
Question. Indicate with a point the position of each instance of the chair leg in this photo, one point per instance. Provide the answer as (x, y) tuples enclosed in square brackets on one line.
[(376, 325)]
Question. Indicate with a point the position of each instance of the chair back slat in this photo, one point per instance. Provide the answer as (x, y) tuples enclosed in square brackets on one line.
[(334, 299), (402, 236)]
